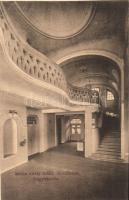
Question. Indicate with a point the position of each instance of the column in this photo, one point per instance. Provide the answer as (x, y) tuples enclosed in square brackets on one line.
[(125, 100), (43, 121), (88, 132)]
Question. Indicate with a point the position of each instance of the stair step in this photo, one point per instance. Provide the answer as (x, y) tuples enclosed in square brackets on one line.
[(115, 132), (112, 136), (106, 156), (109, 160), (110, 145), (111, 141), (108, 152), (109, 148)]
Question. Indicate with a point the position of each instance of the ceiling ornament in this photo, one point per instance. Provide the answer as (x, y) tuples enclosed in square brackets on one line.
[(57, 20), (83, 69)]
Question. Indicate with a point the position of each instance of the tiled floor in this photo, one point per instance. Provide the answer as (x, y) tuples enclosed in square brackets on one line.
[(64, 174)]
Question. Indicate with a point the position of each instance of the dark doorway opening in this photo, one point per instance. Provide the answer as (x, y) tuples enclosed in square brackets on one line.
[(58, 129)]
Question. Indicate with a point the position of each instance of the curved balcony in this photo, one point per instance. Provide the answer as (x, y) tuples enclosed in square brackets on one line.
[(40, 67), (83, 95), (31, 61)]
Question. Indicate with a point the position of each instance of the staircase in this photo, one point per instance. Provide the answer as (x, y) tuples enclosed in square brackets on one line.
[(109, 148)]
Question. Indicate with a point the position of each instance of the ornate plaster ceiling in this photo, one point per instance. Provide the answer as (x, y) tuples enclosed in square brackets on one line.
[(57, 19)]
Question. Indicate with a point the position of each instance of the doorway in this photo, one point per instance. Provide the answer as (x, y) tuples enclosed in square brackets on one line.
[(70, 133), (58, 129), (33, 134)]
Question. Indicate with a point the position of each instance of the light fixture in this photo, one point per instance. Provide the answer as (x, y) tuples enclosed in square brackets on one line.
[(83, 69), (12, 113)]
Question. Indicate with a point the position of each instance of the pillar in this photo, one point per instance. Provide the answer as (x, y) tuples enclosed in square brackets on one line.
[(125, 98), (91, 133), (88, 131)]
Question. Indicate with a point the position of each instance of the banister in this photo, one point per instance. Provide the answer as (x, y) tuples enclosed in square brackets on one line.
[(40, 67)]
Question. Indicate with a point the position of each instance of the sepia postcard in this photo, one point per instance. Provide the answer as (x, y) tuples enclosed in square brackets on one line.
[(64, 100)]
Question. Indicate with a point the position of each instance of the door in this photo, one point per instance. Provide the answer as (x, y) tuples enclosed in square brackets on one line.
[(33, 135), (76, 130)]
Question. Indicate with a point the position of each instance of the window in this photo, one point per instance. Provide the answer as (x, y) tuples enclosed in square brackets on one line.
[(75, 121), (110, 96), (78, 130), (31, 120), (95, 89), (76, 126), (73, 130)]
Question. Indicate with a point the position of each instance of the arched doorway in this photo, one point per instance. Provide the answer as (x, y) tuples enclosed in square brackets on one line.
[(9, 138)]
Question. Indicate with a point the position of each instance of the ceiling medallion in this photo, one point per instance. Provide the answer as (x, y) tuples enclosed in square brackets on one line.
[(57, 20)]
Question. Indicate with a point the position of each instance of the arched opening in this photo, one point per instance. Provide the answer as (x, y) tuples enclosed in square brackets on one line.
[(9, 138), (102, 74)]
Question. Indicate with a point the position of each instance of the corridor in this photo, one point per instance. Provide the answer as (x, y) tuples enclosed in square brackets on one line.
[(61, 173)]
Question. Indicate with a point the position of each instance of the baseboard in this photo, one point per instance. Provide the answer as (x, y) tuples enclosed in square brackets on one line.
[(9, 168)]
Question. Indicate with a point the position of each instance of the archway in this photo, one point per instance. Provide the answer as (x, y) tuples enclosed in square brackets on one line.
[(9, 138), (108, 78)]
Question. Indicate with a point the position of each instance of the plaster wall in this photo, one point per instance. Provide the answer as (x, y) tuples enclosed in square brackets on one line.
[(65, 129), (21, 155)]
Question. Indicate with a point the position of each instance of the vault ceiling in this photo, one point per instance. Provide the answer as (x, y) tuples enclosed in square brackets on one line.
[(88, 70), (44, 27), (57, 20)]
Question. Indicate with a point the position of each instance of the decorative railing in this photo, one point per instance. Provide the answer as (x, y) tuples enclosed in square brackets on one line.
[(83, 95), (31, 61), (40, 67)]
